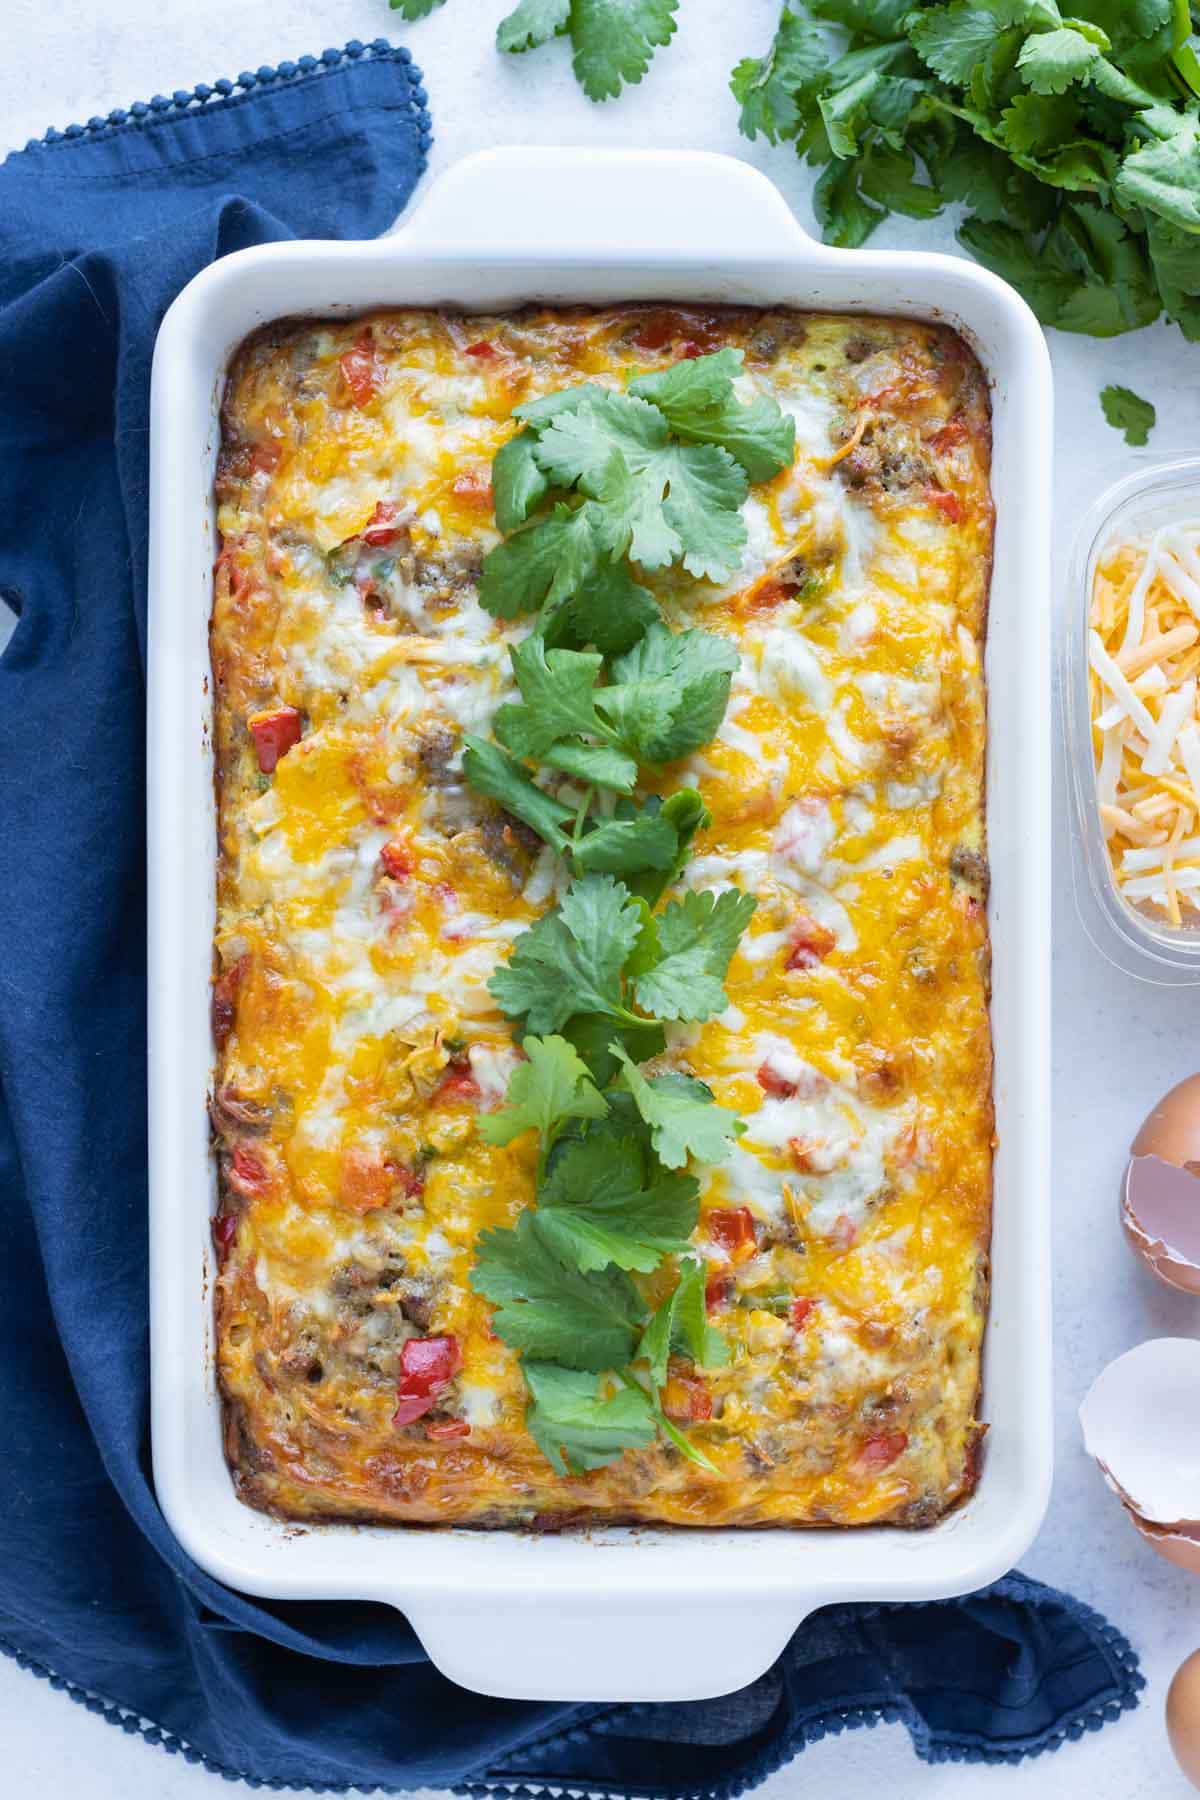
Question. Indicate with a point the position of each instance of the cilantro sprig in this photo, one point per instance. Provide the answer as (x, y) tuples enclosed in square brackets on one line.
[(655, 474), (612, 41), (614, 1199), (1073, 134)]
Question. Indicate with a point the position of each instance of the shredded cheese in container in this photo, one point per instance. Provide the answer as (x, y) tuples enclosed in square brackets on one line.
[(1144, 663)]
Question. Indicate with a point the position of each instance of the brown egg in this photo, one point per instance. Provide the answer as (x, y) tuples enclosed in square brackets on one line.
[(1172, 1129), (1183, 1717), (1160, 1195)]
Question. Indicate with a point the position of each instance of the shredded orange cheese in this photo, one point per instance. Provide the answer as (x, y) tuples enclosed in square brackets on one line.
[(1143, 660)]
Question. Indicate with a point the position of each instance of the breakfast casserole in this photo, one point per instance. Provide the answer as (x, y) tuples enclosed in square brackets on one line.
[(369, 893)]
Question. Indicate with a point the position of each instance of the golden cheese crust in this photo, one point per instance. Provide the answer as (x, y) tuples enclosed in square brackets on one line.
[(366, 895)]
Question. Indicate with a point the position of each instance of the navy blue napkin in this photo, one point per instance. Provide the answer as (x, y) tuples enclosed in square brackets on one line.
[(100, 226)]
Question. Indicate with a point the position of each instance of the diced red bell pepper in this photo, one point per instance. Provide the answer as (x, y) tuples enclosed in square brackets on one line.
[(948, 504), (367, 1181), (799, 1312), (247, 1174), (686, 1400), (772, 1082), (953, 432), (397, 861), (484, 350), (458, 1083), (224, 1001), (472, 488), (880, 1451), (274, 734), (802, 1150), (427, 1365), (411, 1182), (448, 1428), (717, 1291), (360, 370), (381, 527), (733, 1228), (844, 1232), (810, 945), (224, 1230)]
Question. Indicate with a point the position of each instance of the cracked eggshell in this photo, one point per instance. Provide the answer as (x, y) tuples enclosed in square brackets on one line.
[(1139, 1422), (1160, 1212), (1179, 1544), (1160, 1195)]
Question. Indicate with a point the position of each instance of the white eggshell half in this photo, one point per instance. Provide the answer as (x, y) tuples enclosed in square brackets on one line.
[(1139, 1420)]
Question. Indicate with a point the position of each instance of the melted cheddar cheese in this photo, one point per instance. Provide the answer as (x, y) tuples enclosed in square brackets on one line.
[(366, 895)]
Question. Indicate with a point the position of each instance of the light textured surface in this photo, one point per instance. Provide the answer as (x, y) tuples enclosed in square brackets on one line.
[(1118, 1043)]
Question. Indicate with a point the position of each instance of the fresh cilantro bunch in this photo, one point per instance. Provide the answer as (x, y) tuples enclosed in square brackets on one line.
[(609, 972), (1075, 140), (612, 41), (562, 1281), (664, 698), (657, 474), (595, 477), (591, 985)]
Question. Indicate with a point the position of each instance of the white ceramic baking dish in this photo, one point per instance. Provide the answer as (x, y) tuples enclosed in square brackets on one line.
[(613, 1614)]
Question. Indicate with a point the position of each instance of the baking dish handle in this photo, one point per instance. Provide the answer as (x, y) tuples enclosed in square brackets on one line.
[(550, 1644), (509, 204)]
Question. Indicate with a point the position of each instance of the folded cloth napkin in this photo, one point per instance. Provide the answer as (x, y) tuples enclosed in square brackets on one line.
[(100, 226)]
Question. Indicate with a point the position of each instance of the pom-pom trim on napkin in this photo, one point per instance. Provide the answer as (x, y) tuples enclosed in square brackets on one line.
[(206, 96)]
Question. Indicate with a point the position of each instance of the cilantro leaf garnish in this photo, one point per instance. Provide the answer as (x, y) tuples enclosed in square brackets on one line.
[(592, 1034), (697, 400), (596, 1209), (1129, 413), (593, 764), (576, 445), (612, 40), (578, 1424), (657, 473), (558, 689), (621, 845), (543, 562), (687, 814), (519, 485), (695, 939), (615, 40), (532, 23), (547, 1308), (553, 1084), (681, 1324), (668, 693), (683, 1117), (611, 611), (502, 779), (570, 961)]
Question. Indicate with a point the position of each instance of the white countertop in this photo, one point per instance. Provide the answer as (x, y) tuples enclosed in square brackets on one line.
[(1117, 1044)]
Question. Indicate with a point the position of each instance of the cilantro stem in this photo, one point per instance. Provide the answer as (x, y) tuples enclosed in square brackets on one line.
[(585, 805), (667, 1428)]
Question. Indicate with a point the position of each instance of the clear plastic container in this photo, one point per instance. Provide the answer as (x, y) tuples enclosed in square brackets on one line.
[(1141, 945)]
